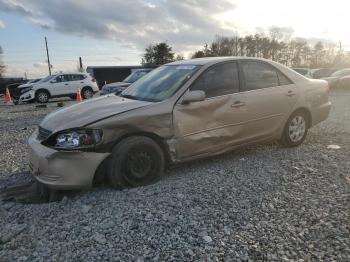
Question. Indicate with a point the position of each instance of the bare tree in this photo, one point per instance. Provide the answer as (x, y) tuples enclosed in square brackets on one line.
[(295, 52), (179, 57)]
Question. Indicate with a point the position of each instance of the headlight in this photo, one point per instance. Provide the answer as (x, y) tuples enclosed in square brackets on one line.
[(26, 89), (76, 139)]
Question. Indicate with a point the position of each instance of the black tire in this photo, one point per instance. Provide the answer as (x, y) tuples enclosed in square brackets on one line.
[(87, 93), (135, 161), (42, 96), (293, 134)]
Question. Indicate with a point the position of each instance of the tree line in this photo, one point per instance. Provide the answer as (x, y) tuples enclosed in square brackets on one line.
[(292, 52)]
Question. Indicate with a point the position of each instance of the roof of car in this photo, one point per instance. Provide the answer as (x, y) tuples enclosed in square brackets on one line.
[(206, 60)]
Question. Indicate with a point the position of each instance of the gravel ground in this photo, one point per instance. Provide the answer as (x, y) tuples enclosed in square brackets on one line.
[(259, 203)]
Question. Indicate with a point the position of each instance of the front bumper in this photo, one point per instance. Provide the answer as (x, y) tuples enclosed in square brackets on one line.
[(26, 97), (63, 169)]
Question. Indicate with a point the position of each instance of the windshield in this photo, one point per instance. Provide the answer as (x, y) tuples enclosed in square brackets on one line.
[(45, 79), (161, 83), (344, 72), (135, 76), (33, 81)]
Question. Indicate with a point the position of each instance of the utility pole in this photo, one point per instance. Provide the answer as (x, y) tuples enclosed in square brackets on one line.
[(80, 65), (48, 57)]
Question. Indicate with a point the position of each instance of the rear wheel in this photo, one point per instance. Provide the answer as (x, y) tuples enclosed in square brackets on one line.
[(135, 161), (87, 93), (42, 96), (296, 129)]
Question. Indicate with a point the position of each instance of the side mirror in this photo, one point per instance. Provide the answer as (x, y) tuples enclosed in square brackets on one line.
[(53, 81), (193, 96)]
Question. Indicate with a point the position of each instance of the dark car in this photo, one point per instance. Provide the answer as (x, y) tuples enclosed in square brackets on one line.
[(118, 87), (303, 71), (340, 78), (5, 82), (322, 72)]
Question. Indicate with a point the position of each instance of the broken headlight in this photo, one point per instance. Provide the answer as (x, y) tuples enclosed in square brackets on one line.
[(26, 89), (76, 139)]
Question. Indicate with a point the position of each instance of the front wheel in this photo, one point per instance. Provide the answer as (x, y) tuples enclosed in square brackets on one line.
[(87, 93), (135, 161), (295, 130), (42, 96)]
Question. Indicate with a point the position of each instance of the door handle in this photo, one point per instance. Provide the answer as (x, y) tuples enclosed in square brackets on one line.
[(238, 104), (291, 93), (66, 84)]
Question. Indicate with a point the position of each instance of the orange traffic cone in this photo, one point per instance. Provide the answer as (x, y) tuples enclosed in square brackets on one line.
[(8, 99), (79, 99)]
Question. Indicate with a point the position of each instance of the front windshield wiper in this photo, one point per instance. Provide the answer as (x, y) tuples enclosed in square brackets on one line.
[(130, 97), (139, 98)]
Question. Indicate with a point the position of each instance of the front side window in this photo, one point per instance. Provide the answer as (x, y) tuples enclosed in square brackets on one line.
[(161, 83), (62, 78), (258, 75), (47, 79), (219, 80)]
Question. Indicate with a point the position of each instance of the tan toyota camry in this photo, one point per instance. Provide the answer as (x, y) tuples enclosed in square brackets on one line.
[(178, 112)]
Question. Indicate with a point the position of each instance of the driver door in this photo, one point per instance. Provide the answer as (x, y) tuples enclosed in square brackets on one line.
[(213, 124)]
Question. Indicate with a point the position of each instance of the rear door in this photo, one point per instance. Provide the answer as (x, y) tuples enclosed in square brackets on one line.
[(215, 123), (77, 81), (269, 96), (59, 85)]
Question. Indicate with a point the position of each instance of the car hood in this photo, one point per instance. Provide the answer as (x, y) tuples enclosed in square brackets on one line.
[(26, 85), (89, 111)]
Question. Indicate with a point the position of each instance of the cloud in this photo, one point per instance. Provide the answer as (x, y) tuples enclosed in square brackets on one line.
[(40, 65), (2, 24), (14, 7), (136, 23)]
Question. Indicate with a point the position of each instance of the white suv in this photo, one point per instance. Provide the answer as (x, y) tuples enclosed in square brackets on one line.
[(60, 85)]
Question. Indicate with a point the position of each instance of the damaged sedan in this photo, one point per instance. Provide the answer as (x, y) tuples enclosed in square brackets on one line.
[(178, 112)]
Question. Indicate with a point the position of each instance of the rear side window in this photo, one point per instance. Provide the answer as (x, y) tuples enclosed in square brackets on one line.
[(258, 75), (77, 77), (218, 80), (283, 80)]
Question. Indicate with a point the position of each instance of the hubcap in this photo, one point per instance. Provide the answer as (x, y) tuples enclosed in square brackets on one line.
[(42, 97), (138, 165), (87, 94), (297, 129)]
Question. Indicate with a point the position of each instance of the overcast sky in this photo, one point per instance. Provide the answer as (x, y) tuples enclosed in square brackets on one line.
[(115, 32)]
